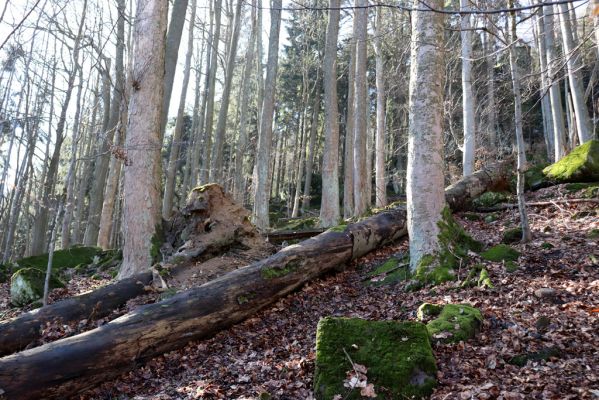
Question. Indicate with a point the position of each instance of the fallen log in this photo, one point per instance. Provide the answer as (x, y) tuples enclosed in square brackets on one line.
[(17, 333), (71, 365), (281, 236)]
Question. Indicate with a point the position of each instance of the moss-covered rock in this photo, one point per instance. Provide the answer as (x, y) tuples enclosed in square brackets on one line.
[(455, 323), (62, 259), (427, 310), (512, 235), (501, 252), (398, 357), (490, 199), (581, 165), (534, 178), (491, 218), (27, 286)]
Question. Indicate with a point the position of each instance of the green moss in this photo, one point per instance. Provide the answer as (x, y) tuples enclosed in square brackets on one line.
[(489, 199), (546, 246), (62, 259), (534, 178), (245, 298), (593, 233), (581, 165), (27, 285), (385, 267), (276, 272), (455, 323), (491, 218), (427, 310), (541, 355), (511, 266), (338, 228), (298, 224), (398, 356), (484, 280), (435, 275), (472, 217), (512, 235), (501, 252), (157, 241)]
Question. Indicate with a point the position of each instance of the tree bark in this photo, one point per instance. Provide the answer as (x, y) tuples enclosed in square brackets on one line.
[(350, 132), (361, 174), (65, 367), (467, 93), (141, 209), (545, 101), (312, 146), (381, 181), (329, 208), (262, 189), (425, 144)]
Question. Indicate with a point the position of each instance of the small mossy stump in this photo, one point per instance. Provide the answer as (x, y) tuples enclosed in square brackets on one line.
[(501, 252), (490, 199), (512, 235), (62, 259), (428, 310), (581, 165), (456, 322), (27, 286), (398, 356)]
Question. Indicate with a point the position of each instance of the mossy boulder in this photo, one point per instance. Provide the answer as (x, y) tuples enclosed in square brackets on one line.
[(27, 286), (427, 310), (398, 357), (534, 178), (588, 190), (62, 259), (455, 323), (490, 199), (501, 252), (581, 165), (512, 235)]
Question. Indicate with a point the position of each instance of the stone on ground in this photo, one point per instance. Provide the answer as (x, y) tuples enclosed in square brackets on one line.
[(581, 165), (27, 286), (397, 356), (456, 322)]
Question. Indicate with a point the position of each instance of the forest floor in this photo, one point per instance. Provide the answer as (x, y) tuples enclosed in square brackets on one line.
[(271, 355)]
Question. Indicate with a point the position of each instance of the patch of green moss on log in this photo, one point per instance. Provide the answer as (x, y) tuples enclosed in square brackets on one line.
[(512, 235), (338, 228), (456, 322), (501, 252), (581, 165), (427, 310), (62, 259), (541, 355), (277, 272), (398, 356), (27, 286), (490, 199)]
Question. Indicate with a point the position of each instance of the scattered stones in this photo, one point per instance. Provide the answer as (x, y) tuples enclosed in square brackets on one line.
[(546, 293)]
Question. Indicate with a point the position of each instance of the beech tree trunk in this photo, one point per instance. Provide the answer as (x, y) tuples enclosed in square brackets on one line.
[(350, 131), (425, 144), (65, 367), (262, 188), (381, 181), (141, 209), (467, 93), (329, 208)]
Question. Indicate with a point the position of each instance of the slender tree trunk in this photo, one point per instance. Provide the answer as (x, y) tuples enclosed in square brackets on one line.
[(312, 146), (173, 41), (216, 163), (381, 181), (425, 196), (204, 173), (141, 209), (350, 132), (526, 235), (262, 190), (240, 149), (572, 54), (545, 101), (559, 129), (169, 187), (467, 93), (361, 175)]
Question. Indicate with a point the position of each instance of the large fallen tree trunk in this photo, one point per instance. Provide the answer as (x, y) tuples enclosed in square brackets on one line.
[(19, 332), (70, 365)]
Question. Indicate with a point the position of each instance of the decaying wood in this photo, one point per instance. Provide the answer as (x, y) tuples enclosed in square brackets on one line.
[(17, 333), (280, 236), (73, 364)]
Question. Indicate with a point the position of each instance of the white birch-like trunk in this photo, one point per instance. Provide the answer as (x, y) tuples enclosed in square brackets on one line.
[(467, 94), (348, 156), (425, 183), (545, 101), (572, 54), (329, 209), (141, 190), (262, 189)]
